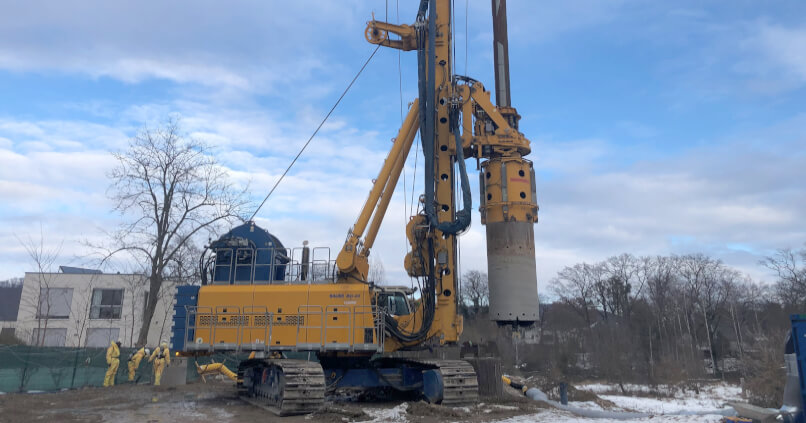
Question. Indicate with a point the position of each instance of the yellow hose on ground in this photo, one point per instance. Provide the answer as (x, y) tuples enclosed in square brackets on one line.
[(506, 379), (213, 368)]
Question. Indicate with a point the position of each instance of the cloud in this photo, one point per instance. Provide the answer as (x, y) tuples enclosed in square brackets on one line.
[(740, 191), (243, 80), (257, 47), (785, 47), (64, 178)]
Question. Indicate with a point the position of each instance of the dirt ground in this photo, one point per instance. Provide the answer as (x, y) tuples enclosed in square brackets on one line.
[(217, 402)]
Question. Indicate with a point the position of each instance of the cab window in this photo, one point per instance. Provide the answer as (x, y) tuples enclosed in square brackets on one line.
[(398, 305)]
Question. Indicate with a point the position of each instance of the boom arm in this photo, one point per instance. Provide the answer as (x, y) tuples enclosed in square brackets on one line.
[(352, 261), (456, 119)]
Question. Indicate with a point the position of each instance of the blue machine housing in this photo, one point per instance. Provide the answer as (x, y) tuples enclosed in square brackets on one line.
[(799, 341), (246, 254), (186, 295)]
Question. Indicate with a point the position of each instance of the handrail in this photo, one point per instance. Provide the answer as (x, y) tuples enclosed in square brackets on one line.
[(332, 310), (252, 324), (219, 310), (306, 324)]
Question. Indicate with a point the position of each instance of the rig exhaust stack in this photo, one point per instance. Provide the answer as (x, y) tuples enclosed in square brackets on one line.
[(509, 207)]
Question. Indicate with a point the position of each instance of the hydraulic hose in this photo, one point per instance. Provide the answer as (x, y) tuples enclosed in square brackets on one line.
[(429, 306), (538, 395), (427, 87)]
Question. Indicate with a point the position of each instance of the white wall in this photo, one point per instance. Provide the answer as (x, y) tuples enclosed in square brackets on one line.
[(79, 322), (160, 329)]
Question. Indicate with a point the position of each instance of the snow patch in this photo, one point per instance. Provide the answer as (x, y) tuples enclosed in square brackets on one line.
[(664, 406), (585, 405), (395, 414), (710, 397), (560, 417)]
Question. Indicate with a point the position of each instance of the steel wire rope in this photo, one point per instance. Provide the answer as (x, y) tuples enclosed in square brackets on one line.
[(406, 210), (317, 130), (453, 34), (466, 34)]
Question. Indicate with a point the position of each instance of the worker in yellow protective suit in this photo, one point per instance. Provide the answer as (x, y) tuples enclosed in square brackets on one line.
[(134, 361), (161, 358), (113, 360)]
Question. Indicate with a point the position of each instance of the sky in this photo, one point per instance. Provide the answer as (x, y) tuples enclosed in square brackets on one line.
[(656, 127)]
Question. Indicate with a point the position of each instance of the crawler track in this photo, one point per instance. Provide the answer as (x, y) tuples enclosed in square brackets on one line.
[(283, 387), (460, 385)]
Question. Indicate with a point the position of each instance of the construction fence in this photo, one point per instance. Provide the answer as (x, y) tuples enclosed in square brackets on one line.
[(46, 369)]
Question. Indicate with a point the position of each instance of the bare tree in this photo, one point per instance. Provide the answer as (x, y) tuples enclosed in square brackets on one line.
[(377, 273), (626, 278), (575, 287), (171, 190), (790, 268), (83, 311), (475, 289), (707, 282), (44, 260), (661, 292), (134, 283)]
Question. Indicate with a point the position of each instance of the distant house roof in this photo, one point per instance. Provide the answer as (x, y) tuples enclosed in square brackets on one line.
[(10, 302), (79, 270)]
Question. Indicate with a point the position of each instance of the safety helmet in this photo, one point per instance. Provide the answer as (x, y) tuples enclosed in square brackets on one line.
[(147, 351), (164, 344)]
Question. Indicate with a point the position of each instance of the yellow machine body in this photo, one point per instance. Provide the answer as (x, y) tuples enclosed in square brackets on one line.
[(284, 317)]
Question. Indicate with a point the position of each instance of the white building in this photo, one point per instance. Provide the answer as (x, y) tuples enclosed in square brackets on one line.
[(86, 308)]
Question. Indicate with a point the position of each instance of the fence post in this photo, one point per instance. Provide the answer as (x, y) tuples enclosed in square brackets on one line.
[(563, 393), (75, 367), (25, 368)]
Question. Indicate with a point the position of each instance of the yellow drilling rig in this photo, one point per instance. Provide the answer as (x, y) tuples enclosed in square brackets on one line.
[(259, 297)]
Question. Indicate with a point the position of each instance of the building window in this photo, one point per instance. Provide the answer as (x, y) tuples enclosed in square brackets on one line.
[(50, 337), (54, 303), (8, 335), (101, 337), (106, 303)]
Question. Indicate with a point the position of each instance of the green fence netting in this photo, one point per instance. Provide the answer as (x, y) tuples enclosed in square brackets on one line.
[(46, 369), (26, 368)]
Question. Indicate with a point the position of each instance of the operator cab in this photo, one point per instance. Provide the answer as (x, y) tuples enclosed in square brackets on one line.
[(395, 300)]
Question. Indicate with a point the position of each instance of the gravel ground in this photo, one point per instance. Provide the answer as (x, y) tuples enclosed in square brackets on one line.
[(217, 402)]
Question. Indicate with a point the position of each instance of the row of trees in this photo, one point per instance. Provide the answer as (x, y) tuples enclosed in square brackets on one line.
[(652, 316), (11, 282), (658, 319)]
